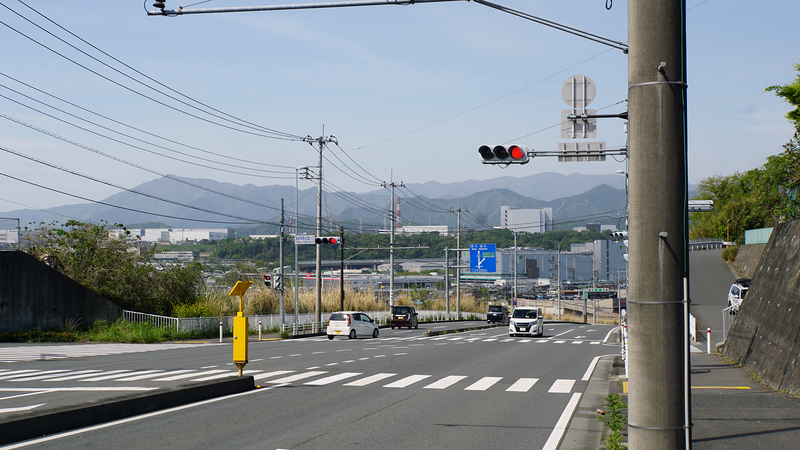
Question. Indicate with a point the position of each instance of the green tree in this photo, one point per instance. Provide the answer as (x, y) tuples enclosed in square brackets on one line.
[(115, 266), (791, 93)]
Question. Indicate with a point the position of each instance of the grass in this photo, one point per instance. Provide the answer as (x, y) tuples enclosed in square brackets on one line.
[(103, 331)]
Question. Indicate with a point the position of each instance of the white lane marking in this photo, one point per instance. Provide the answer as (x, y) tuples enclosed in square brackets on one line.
[(193, 374), (561, 425), (594, 343), (407, 381), (144, 375), (561, 386), (170, 374), (271, 374), (20, 408), (590, 369), (577, 342), (558, 342), (609, 334), (560, 334), (522, 385), (483, 384), (522, 341), (370, 379), (298, 377), (226, 374), (445, 382), (40, 375), (85, 377), (333, 378), (15, 373)]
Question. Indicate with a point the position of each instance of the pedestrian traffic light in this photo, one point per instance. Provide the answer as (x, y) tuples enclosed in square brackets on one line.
[(327, 240), (278, 282), (503, 154), (267, 280), (620, 234)]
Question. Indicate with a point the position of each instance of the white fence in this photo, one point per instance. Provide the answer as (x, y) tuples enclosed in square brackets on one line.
[(305, 324)]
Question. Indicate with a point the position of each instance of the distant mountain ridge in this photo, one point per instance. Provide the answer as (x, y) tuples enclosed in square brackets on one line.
[(599, 202)]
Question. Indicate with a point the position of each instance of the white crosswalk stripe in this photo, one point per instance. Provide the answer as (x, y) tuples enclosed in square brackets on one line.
[(81, 379), (46, 352)]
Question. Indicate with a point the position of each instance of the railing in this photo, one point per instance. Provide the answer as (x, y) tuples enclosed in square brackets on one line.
[(728, 316), (706, 244), (693, 328), (152, 319), (304, 325)]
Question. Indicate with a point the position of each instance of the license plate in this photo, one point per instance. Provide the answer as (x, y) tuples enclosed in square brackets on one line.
[(337, 332)]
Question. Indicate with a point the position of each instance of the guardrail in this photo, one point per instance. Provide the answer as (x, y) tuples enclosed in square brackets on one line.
[(305, 323), (728, 316)]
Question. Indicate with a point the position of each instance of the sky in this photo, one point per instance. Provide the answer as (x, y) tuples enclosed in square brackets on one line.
[(408, 92)]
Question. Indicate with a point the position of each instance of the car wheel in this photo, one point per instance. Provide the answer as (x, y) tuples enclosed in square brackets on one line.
[(416, 326), (375, 333), (393, 328), (330, 337), (352, 334)]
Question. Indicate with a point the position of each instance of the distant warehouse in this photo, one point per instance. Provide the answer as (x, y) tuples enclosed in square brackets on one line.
[(178, 235)]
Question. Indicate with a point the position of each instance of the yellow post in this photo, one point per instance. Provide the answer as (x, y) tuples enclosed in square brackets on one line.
[(240, 327)]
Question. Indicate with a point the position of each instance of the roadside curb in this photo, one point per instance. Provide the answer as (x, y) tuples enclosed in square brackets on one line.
[(36, 424), (584, 431)]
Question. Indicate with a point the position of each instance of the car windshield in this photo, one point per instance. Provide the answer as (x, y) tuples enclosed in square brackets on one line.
[(525, 314), (495, 308), (401, 310)]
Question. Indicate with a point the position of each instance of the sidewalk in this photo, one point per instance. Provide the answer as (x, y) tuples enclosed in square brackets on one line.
[(732, 410)]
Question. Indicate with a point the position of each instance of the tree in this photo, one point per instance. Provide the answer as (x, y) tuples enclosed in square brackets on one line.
[(791, 93), (114, 266)]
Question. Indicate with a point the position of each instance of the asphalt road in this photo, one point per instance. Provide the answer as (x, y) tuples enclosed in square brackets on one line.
[(711, 278), (478, 389)]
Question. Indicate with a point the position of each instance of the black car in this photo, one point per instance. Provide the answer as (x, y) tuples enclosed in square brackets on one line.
[(497, 313), (404, 316)]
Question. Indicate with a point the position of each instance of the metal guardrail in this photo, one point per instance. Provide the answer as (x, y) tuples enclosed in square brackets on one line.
[(152, 319), (728, 316)]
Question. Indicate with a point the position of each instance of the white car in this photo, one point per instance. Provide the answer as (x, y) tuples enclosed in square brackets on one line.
[(737, 293), (526, 321), (351, 324)]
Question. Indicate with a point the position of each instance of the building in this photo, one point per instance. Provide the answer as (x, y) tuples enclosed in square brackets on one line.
[(530, 220), (178, 235)]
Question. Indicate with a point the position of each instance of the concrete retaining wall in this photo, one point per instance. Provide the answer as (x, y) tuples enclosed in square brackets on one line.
[(747, 259), (33, 294), (765, 336)]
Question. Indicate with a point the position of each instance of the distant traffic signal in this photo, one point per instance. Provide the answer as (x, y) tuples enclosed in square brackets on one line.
[(267, 280), (327, 240), (504, 154), (620, 234), (278, 282), (159, 4)]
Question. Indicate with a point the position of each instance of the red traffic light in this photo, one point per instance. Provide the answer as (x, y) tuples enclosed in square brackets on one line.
[(327, 240), (504, 154)]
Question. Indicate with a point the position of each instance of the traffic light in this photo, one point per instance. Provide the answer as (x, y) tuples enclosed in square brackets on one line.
[(620, 234), (267, 280), (503, 154), (278, 282), (159, 4), (327, 240)]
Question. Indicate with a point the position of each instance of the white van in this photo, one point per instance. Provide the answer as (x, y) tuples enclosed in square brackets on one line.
[(526, 321)]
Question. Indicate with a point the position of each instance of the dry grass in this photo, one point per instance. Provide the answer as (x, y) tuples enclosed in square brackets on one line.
[(262, 301)]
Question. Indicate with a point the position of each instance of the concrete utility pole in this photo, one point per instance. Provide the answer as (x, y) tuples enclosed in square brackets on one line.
[(393, 216), (458, 260), (658, 396), (280, 272), (320, 141)]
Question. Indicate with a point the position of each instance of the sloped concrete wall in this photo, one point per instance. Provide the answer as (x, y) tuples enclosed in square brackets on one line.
[(33, 294), (765, 336), (747, 259)]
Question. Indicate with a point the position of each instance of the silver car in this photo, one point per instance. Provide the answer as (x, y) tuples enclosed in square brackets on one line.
[(351, 324)]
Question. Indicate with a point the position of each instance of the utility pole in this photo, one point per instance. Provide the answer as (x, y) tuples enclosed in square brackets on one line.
[(320, 141), (341, 268), (296, 231), (280, 271), (458, 260), (393, 216), (447, 280), (658, 399)]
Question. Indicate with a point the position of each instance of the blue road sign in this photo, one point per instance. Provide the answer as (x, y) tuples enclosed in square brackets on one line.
[(482, 258)]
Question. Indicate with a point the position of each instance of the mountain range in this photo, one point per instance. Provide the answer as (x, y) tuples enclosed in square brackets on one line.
[(576, 199)]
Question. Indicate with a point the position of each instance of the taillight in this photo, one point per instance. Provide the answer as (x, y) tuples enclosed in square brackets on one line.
[(348, 320)]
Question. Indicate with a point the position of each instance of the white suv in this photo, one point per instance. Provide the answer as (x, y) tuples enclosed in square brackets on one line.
[(737, 293), (526, 321)]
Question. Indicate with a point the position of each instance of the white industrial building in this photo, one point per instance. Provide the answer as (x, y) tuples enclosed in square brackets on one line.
[(178, 235), (529, 220)]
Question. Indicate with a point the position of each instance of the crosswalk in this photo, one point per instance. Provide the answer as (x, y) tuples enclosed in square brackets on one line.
[(55, 352), (501, 338), (31, 379)]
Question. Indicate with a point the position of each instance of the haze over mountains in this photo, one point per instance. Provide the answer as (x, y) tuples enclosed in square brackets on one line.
[(576, 199)]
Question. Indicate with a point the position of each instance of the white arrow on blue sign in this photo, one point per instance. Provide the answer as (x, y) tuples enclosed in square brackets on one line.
[(482, 258)]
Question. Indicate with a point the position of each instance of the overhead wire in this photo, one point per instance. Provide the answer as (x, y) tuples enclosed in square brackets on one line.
[(277, 134), (139, 140)]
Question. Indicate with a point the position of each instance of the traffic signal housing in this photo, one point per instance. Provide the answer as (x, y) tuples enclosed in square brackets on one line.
[(268, 280), (327, 240), (278, 281), (503, 154)]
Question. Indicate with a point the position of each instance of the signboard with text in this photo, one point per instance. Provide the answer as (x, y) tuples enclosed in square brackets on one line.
[(482, 258)]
